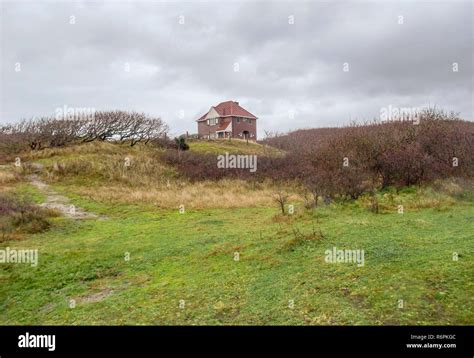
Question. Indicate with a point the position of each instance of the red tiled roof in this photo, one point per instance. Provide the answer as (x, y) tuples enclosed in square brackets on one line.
[(230, 108), (222, 126)]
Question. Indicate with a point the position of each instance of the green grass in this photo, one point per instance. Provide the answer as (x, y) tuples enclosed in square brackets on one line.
[(190, 257), (29, 192), (232, 146)]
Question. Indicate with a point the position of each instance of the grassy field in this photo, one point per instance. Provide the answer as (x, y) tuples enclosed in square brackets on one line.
[(143, 263), (232, 146)]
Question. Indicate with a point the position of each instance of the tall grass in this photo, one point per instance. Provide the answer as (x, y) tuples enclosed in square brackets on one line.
[(198, 195), (19, 216), (108, 172)]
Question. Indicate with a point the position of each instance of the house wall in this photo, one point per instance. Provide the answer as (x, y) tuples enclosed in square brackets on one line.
[(204, 130), (239, 127)]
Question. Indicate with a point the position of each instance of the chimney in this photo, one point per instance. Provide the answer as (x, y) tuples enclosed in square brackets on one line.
[(237, 103)]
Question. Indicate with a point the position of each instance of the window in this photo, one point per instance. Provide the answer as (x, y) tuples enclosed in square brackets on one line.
[(238, 119)]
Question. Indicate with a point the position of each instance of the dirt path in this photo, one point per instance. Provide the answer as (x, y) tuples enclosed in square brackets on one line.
[(58, 202)]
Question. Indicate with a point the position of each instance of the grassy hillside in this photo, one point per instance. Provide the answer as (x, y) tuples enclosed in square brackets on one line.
[(233, 146), (98, 170), (231, 257)]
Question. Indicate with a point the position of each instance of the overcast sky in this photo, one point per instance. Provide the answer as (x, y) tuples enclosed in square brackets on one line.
[(176, 59)]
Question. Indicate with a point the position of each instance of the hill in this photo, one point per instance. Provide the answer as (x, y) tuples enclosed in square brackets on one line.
[(236, 146), (106, 171), (124, 238)]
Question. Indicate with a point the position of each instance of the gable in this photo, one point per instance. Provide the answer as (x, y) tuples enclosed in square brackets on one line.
[(212, 114)]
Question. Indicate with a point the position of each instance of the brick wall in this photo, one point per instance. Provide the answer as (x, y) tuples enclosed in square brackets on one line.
[(237, 127)]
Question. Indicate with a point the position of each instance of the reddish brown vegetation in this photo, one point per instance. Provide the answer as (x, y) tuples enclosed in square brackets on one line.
[(346, 162), (18, 215)]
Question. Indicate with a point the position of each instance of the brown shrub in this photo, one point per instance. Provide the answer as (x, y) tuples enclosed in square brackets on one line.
[(380, 154), (19, 216)]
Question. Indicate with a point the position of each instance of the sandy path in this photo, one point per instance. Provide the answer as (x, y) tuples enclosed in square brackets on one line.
[(58, 202)]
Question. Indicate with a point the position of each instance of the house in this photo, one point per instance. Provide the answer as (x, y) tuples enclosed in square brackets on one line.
[(227, 120)]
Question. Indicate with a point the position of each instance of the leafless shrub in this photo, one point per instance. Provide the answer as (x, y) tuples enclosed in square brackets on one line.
[(300, 238), (281, 198), (44, 132), (380, 154)]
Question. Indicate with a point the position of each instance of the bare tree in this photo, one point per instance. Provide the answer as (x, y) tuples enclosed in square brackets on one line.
[(281, 198)]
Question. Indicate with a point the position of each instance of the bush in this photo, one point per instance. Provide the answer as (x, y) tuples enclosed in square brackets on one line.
[(203, 166), (181, 143), (380, 155), (50, 132), (19, 216)]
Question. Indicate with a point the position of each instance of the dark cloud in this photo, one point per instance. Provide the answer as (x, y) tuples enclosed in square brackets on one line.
[(283, 68)]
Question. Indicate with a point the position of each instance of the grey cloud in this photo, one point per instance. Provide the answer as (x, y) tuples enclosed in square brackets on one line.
[(283, 67)]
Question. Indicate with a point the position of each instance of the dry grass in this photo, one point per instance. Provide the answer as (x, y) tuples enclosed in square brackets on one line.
[(107, 164), (133, 170), (455, 187), (199, 195), (8, 177), (92, 148), (19, 216), (440, 196), (99, 171)]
